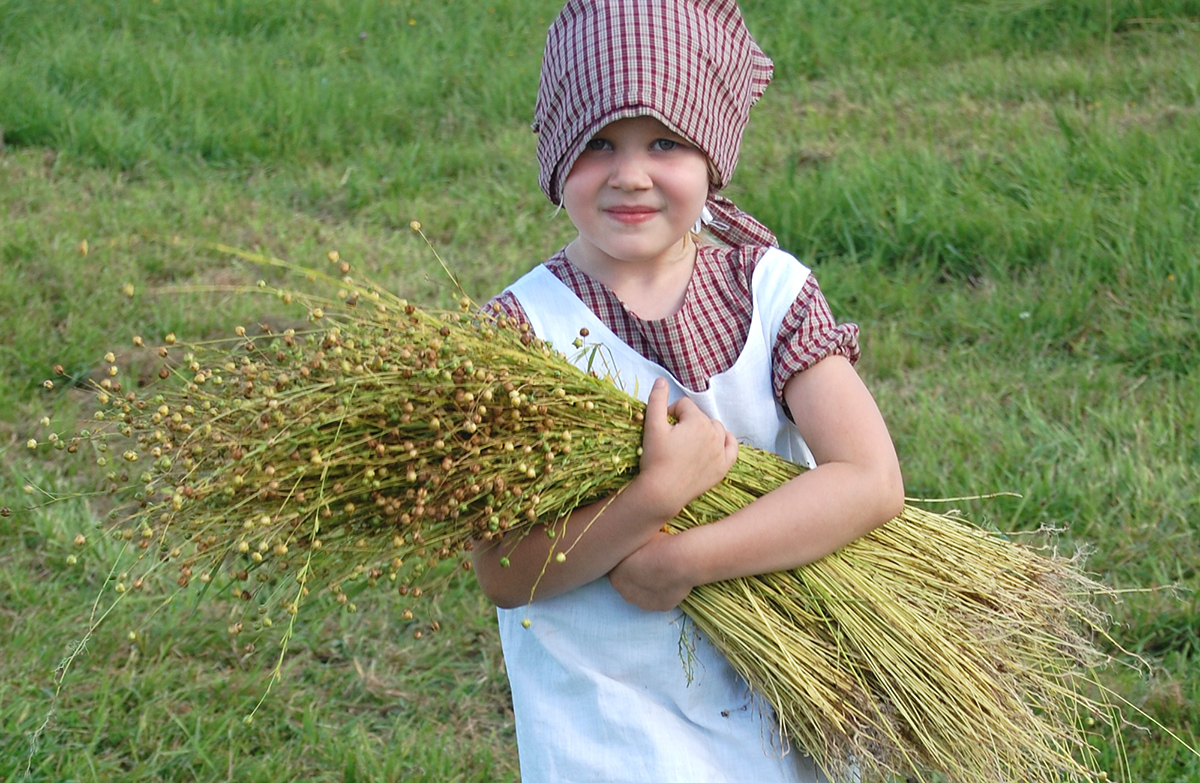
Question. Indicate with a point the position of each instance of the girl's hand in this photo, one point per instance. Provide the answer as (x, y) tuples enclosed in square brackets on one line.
[(681, 461), (646, 578)]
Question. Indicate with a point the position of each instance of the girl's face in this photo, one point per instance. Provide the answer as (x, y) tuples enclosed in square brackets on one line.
[(635, 193)]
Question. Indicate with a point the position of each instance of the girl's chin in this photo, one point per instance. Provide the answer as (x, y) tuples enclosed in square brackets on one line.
[(638, 253)]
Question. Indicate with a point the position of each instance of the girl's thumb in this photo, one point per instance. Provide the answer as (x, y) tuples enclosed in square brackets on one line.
[(656, 403)]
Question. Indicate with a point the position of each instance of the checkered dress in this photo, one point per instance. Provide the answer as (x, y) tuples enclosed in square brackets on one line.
[(706, 336), (598, 679)]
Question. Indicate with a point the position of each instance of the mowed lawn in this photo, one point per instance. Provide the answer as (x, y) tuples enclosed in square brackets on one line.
[(1003, 194)]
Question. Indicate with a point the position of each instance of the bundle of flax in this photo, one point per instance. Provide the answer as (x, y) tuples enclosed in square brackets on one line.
[(382, 439)]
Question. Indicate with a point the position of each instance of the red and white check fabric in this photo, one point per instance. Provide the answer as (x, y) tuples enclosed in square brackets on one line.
[(691, 64), (707, 334)]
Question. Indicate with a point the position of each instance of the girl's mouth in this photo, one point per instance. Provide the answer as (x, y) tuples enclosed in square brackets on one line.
[(631, 214)]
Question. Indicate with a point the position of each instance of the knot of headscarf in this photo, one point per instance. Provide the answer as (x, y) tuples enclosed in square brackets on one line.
[(690, 64)]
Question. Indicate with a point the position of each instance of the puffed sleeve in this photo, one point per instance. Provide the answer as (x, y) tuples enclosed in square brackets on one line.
[(808, 334), (506, 304)]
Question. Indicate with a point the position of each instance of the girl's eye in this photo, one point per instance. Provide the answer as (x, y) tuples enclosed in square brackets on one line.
[(663, 145), (597, 144)]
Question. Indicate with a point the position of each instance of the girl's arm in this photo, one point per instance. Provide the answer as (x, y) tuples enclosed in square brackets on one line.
[(855, 487), (679, 462)]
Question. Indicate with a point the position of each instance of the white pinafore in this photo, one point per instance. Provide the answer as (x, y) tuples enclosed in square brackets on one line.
[(600, 687)]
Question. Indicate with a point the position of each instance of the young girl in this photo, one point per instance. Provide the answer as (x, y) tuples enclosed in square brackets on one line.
[(640, 113)]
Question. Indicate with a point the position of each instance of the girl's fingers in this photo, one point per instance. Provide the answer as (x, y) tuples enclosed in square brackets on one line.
[(656, 405), (731, 447), (684, 408), (687, 416)]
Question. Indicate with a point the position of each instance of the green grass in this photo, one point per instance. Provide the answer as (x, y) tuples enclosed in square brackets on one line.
[(1005, 194)]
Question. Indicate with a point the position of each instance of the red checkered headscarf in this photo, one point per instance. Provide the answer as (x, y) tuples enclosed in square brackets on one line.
[(690, 64)]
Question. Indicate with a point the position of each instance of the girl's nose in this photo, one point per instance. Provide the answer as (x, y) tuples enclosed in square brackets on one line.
[(629, 172)]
